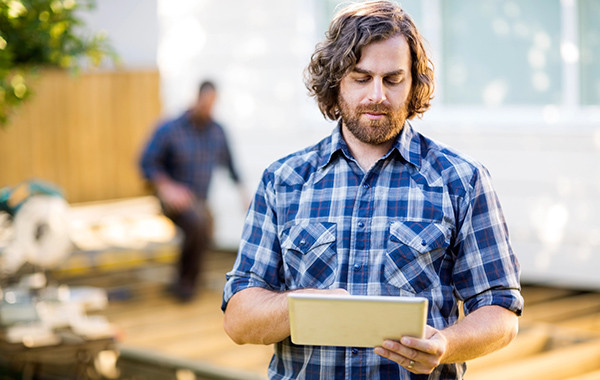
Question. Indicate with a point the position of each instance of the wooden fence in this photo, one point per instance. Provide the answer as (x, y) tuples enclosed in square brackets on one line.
[(83, 132)]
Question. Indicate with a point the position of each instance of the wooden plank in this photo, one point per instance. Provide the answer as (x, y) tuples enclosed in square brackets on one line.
[(151, 335), (528, 342), (137, 122), (144, 364), (253, 358), (595, 375), (74, 119), (15, 152), (83, 133), (586, 323), (538, 294), (563, 308), (198, 345), (171, 313), (559, 364)]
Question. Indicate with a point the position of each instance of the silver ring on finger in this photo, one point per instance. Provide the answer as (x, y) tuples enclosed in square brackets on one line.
[(410, 364)]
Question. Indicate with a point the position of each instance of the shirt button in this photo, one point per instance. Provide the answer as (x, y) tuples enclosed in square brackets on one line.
[(355, 351), (423, 243), (356, 267), (302, 242), (361, 224), (366, 185)]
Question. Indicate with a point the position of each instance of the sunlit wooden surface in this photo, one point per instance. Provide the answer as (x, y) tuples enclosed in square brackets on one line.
[(83, 132), (559, 339), (148, 318), (559, 336)]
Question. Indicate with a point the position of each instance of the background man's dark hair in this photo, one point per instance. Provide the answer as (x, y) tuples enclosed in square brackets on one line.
[(207, 85), (350, 31)]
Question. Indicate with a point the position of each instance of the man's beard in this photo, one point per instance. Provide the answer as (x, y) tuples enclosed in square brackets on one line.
[(374, 132)]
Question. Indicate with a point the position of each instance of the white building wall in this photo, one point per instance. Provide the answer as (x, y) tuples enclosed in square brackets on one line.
[(547, 176), (131, 27)]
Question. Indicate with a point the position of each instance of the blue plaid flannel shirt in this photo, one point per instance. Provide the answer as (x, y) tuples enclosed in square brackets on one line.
[(423, 221), (187, 154)]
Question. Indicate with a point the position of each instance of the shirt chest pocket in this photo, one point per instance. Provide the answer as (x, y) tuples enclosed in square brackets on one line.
[(309, 255), (413, 253)]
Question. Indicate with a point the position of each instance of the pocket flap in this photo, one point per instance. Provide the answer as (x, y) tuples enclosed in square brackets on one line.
[(303, 238), (421, 236)]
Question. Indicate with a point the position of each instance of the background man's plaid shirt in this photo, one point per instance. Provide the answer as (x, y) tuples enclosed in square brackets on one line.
[(188, 154), (423, 221)]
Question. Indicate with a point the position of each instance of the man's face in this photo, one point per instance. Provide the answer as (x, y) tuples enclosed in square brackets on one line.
[(373, 95), (202, 110)]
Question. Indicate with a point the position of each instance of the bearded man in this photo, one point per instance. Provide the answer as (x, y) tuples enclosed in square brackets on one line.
[(375, 209)]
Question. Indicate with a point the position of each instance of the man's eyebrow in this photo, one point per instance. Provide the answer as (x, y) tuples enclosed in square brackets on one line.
[(358, 70)]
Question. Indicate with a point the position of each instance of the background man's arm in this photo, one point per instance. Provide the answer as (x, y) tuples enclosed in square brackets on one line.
[(175, 196)]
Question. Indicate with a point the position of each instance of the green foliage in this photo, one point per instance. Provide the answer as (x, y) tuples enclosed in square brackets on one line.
[(43, 33)]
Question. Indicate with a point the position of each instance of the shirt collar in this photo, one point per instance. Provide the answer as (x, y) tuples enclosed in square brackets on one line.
[(337, 145), (407, 145)]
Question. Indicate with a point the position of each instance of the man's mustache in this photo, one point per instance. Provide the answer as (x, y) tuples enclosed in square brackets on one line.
[(374, 108)]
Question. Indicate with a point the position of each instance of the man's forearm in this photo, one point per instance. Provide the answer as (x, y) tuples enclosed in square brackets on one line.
[(483, 331), (261, 316), (257, 315)]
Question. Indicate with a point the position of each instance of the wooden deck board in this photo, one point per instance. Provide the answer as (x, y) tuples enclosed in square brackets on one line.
[(574, 360), (539, 294), (587, 376), (563, 308), (588, 323), (528, 342)]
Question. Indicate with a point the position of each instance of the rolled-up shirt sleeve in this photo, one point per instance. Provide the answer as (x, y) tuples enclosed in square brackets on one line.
[(486, 271), (259, 262)]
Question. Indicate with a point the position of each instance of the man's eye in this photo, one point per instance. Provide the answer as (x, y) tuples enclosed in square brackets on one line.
[(362, 79), (394, 81)]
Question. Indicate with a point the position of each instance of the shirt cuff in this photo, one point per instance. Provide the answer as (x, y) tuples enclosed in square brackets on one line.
[(510, 299), (236, 284)]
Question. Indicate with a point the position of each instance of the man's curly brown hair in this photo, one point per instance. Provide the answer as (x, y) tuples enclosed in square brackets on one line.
[(353, 28)]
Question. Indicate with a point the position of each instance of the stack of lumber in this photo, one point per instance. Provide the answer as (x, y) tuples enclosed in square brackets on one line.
[(118, 234)]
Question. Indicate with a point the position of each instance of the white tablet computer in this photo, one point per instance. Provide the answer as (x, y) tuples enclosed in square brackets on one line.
[(355, 321)]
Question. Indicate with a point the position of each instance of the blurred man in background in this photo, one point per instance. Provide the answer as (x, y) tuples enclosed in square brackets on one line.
[(179, 161)]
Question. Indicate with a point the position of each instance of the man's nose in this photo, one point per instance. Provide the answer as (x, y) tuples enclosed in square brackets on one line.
[(377, 91)]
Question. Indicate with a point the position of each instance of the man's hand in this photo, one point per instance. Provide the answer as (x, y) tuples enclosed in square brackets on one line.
[(175, 196), (416, 355), (484, 330)]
